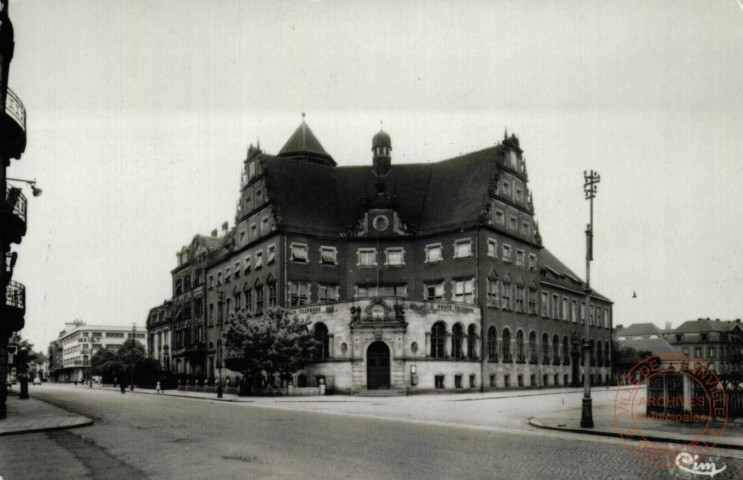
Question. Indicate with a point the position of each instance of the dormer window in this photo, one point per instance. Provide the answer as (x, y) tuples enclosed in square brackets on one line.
[(299, 253)]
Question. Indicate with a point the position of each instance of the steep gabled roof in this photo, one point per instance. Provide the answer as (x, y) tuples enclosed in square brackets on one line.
[(565, 277), (430, 196), (641, 329)]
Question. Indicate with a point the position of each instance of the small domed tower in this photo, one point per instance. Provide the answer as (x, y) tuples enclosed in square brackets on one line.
[(381, 148)]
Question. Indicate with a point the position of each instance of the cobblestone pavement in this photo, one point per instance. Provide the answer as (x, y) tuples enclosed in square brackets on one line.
[(171, 437)]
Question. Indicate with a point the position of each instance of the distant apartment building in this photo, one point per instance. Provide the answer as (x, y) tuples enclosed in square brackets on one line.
[(718, 343), (71, 352)]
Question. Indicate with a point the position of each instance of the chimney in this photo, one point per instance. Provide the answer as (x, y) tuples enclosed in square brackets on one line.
[(225, 227), (214, 232)]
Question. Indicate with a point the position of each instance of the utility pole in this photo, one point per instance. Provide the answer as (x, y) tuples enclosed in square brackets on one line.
[(590, 189)]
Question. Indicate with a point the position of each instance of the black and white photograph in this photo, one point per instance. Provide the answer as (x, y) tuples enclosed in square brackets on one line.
[(381, 239)]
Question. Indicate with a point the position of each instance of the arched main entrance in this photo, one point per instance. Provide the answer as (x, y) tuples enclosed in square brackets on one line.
[(378, 366)]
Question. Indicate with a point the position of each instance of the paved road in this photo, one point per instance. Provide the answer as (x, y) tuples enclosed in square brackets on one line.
[(146, 436)]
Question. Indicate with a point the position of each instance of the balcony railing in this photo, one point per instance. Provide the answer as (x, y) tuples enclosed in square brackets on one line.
[(15, 109), (14, 201), (15, 296)]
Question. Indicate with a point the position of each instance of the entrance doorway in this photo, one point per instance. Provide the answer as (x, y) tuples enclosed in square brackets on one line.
[(378, 366)]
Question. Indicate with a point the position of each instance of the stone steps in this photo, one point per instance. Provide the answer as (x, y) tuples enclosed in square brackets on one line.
[(398, 392)]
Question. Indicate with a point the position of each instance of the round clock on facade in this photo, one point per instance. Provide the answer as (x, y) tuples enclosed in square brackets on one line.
[(380, 223)]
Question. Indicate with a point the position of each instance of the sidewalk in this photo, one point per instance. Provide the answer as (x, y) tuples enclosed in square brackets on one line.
[(652, 429), (28, 416)]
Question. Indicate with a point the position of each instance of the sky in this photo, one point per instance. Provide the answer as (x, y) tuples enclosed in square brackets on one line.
[(139, 115)]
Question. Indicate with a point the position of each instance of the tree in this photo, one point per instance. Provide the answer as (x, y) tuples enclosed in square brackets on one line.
[(266, 347), (130, 352), (23, 356), (100, 358)]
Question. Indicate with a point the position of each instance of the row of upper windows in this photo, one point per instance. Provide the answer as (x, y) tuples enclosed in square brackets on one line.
[(367, 257), (249, 262), (512, 224), (507, 254), (562, 308), (253, 232)]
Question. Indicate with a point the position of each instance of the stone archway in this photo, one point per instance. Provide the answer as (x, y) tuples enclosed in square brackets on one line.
[(378, 366)]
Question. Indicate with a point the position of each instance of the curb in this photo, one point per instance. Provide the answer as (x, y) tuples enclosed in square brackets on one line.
[(85, 423), (655, 438)]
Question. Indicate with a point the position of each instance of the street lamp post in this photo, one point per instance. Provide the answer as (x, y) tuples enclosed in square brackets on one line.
[(219, 344), (134, 342), (590, 189)]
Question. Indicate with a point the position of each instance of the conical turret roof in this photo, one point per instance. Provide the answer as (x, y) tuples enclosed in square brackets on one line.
[(304, 144)]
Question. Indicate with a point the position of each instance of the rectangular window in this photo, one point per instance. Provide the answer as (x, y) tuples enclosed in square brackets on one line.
[(439, 381), (299, 253), (555, 307), (532, 261), (590, 315), (507, 296), (327, 293), (492, 380), (264, 225), (328, 255), (259, 300), (394, 256), (248, 300), (500, 217), (253, 231), (457, 381), (271, 254), (525, 228), (520, 258), (464, 291), (227, 275), (506, 253), (258, 259), (492, 248), (519, 194), (433, 253), (219, 278), (711, 352), (506, 189), (247, 263), (371, 291), (463, 248), (367, 257), (494, 293), (520, 292), (237, 269), (513, 223), (272, 294), (582, 312), (532, 301), (434, 291), (299, 293), (545, 304), (575, 311), (565, 310)]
